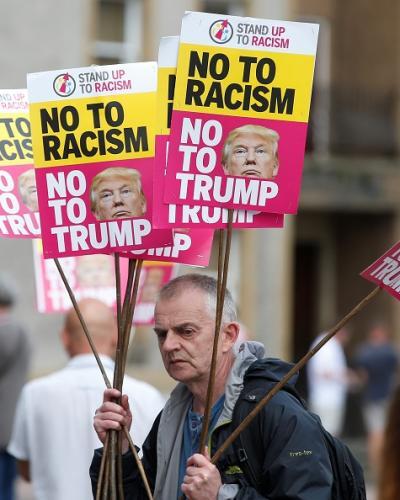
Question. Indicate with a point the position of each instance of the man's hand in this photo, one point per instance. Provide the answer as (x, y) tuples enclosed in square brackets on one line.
[(202, 480), (112, 416)]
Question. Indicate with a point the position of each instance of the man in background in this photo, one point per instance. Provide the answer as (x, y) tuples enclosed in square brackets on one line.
[(14, 364), (328, 378), (377, 363), (53, 437)]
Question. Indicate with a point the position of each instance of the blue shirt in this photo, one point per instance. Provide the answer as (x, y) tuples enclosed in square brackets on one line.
[(191, 435), (380, 362)]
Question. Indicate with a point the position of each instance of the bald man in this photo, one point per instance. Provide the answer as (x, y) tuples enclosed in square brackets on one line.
[(53, 437)]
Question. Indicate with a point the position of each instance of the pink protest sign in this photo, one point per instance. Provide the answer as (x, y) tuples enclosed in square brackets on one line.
[(385, 272), (89, 276), (191, 246), (240, 112), (19, 216), (93, 142), (198, 216), (188, 216), (93, 276)]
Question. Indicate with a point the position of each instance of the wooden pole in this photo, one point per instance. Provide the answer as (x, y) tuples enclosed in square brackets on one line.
[(117, 269), (217, 455), (118, 372), (113, 461), (100, 483), (139, 464), (221, 288), (130, 313), (119, 313)]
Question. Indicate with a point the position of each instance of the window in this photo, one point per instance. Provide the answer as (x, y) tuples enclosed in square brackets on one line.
[(232, 7), (118, 36)]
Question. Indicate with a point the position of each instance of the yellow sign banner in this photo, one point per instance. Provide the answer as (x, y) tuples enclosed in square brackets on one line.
[(237, 82), (91, 130), (15, 139)]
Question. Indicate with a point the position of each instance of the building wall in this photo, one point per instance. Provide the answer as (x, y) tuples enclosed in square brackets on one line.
[(313, 8), (161, 21), (365, 85), (42, 35)]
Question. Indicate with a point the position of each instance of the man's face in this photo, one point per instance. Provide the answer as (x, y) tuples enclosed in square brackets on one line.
[(185, 331), (251, 155), (118, 199)]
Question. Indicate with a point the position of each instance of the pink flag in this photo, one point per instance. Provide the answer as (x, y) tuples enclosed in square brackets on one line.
[(385, 272)]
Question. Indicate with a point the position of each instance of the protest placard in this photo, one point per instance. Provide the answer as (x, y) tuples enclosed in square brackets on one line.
[(93, 276), (191, 247), (385, 272), (185, 216), (93, 143), (240, 112), (19, 217)]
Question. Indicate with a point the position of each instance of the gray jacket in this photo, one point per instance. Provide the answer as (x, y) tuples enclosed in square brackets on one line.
[(169, 438)]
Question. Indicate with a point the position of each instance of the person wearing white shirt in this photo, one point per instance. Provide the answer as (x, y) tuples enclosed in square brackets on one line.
[(53, 437), (328, 379)]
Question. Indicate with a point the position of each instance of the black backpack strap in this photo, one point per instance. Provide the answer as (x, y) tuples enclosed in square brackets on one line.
[(248, 448)]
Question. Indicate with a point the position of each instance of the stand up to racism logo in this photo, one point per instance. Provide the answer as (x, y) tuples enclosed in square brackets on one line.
[(64, 85), (221, 31)]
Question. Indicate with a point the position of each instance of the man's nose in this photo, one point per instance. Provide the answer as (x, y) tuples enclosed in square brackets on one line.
[(171, 342), (251, 155), (117, 199)]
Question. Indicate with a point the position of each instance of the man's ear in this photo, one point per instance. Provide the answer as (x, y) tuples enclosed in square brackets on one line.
[(65, 340), (96, 213), (144, 203), (225, 167), (275, 170), (230, 333)]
